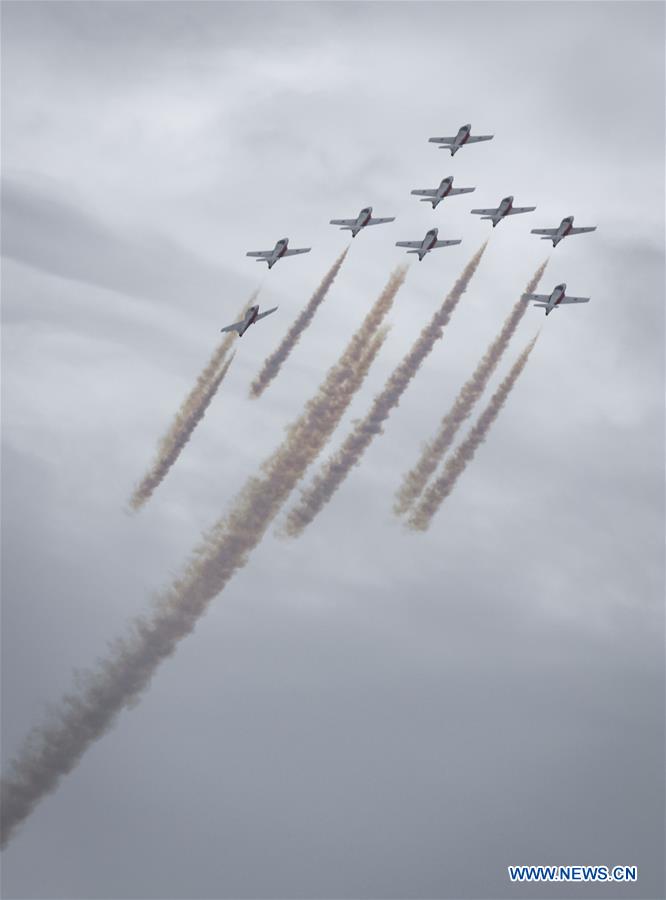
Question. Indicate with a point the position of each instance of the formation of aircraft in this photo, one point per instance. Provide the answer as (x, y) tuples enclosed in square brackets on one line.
[(463, 137), (363, 219), (564, 229), (557, 297), (280, 249), (428, 243), (434, 196), (506, 208), (445, 189), (252, 315)]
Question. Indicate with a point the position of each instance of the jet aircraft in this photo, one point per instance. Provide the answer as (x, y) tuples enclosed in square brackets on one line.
[(564, 229), (506, 208), (252, 315), (556, 298), (362, 219), (280, 249), (428, 243), (445, 189), (463, 137)]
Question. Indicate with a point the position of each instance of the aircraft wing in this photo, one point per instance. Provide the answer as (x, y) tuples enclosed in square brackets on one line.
[(235, 327), (484, 212), (259, 253), (264, 314), (460, 191), (299, 250), (348, 222), (582, 230), (537, 298), (546, 231), (479, 137), (425, 193), (442, 140), (408, 243), (380, 221), (574, 300), (520, 209), (445, 243)]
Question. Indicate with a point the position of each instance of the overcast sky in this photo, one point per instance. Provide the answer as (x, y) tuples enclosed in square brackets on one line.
[(364, 712)]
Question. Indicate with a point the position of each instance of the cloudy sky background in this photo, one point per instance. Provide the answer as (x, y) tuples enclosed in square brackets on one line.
[(364, 712)]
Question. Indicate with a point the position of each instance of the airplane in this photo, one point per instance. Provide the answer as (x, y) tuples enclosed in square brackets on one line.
[(445, 189), (279, 250), (564, 229), (556, 298), (252, 315), (506, 208), (463, 137), (428, 243), (362, 219)]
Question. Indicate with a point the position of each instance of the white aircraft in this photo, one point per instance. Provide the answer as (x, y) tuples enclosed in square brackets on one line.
[(428, 243), (362, 219), (279, 250), (556, 298), (506, 208), (445, 189), (463, 137), (251, 316), (564, 229)]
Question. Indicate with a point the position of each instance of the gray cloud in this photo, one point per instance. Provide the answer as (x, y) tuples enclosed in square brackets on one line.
[(40, 228), (365, 712)]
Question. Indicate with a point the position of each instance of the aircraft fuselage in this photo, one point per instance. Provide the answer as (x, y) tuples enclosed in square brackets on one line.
[(559, 291), (250, 319), (445, 187), (279, 251), (563, 230), (362, 220), (461, 138), (429, 242), (503, 210)]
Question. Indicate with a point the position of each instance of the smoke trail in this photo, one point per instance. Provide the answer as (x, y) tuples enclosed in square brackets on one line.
[(171, 446), (54, 750), (456, 464), (335, 470), (415, 480), (187, 418), (275, 361)]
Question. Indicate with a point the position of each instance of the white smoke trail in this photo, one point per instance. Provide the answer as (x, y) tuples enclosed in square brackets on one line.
[(433, 452), (274, 362), (440, 489), (54, 750), (337, 467)]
